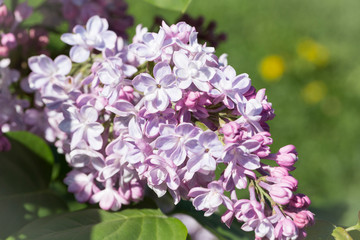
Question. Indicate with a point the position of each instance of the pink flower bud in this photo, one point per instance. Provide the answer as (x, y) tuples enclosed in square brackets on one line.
[(6, 19), (278, 172), (287, 156), (22, 12), (281, 193), (288, 149), (4, 51), (300, 201), (286, 229), (8, 40), (304, 218), (232, 132)]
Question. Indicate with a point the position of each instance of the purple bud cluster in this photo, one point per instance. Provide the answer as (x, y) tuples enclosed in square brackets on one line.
[(165, 113), (16, 39), (79, 12)]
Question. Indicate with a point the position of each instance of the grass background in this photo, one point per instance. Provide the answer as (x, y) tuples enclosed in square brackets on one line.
[(325, 131)]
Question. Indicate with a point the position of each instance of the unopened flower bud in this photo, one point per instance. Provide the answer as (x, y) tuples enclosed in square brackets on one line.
[(22, 12), (304, 218)]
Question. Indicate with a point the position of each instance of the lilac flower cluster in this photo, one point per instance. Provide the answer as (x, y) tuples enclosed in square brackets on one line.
[(165, 113)]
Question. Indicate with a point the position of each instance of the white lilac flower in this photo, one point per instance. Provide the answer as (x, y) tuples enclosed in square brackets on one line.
[(250, 111), (150, 47), (82, 123), (203, 152), (95, 36), (161, 174), (160, 90), (227, 85), (188, 71), (210, 198), (173, 138), (243, 154), (46, 73)]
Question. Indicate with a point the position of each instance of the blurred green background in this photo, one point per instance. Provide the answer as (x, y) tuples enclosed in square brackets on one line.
[(306, 54)]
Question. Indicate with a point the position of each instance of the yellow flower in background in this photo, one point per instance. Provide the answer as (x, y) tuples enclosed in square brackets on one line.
[(272, 68), (314, 92), (313, 52)]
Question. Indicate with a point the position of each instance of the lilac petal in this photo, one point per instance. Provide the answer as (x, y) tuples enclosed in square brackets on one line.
[(89, 113), (79, 54), (47, 65), (77, 137), (174, 93), (242, 82), (166, 142), (194, 163), (34, 65), (194, 146), (167, 129), (199, 202), (71, 39), (63, 64), (107, 200), (143, 81), (160, 190), (206, 73), (122, 108), (208, 162), (110, 39), (229, 72), (197, 191), (94, 26), (134, 129), (178, 156), (37, 81), (251, 145), (185, 129), (152, 127), (95, 142), (182, 73), (251, 162), (161, 70), (207, 138), (85, 194), (180, 60), (202, 86), (162, 100), (108, 171), (95, 129)]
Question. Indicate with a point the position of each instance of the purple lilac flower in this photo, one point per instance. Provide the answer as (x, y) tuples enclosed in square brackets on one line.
[(203, 152), (160, 90), (172, 140), (243, 154), (190, 71), (227, 85), (161, 175), (82, 124), (95, 36), (155, 120), (46, 72), (210, 198), (150, 47)]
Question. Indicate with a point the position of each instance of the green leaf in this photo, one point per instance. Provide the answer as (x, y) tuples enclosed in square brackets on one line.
[(176, 5), (95, 224), (340, 233), (24, 180), (35, 143)]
